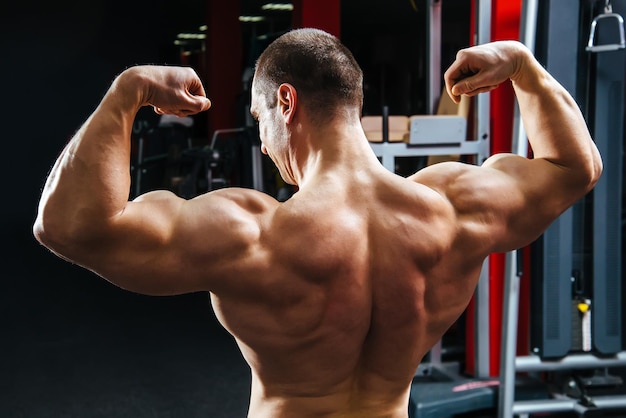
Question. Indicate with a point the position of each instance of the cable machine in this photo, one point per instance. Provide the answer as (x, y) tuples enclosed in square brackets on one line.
[(576, 325), (576, 328)]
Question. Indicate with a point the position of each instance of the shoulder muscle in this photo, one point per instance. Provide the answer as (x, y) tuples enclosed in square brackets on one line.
[(162, 244)]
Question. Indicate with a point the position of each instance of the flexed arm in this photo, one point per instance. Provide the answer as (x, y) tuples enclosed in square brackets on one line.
[(510, 200), (555, 126), (88, 188)]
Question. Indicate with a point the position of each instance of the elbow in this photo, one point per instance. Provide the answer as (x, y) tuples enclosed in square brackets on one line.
[(47, 234), (55, 234), (595, 171), (587, 172), (39, 231)]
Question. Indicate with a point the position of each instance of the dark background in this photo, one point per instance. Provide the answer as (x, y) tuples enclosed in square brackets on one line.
[(71, 344)]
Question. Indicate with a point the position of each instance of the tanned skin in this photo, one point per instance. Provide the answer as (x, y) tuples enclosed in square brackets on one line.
[(335, 295)]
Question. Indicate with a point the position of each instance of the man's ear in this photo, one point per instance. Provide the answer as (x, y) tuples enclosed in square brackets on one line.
[(287, 101)]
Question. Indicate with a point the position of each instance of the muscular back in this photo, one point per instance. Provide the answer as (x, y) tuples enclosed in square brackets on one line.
[(348, 294)]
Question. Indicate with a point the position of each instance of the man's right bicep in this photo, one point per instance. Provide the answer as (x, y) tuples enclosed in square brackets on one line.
[(164, 245)]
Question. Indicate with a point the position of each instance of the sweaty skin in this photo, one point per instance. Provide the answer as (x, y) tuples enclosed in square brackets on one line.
[(335, 295)]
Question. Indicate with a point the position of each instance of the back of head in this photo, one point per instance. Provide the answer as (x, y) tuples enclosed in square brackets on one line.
[(323, 71)]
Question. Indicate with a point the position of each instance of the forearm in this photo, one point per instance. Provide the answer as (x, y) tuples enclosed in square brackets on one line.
[(555, 126), (90, 180)]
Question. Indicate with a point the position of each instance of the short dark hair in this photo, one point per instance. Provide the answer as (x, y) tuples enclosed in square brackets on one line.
[(323, 71)]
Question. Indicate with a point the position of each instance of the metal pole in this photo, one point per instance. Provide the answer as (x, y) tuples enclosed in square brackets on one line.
[(528, 32), (257, 168), (434, 91), (508, 348), (506, 394), (434, 56), (481, 340)]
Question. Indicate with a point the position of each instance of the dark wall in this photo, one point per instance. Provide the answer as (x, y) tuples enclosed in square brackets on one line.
[(57, 60), (71, 344)]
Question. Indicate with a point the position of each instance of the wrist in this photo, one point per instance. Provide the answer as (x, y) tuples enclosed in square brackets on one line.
[(529, 74), (522, 62), (130, 89)]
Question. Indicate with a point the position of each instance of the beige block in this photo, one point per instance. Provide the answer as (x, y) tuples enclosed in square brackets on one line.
[(398, 128)]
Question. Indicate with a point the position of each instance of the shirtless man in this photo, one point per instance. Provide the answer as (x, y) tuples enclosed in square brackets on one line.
[(335, 295)]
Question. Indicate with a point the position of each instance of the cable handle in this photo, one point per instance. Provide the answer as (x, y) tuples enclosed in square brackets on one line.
[(608, 13)]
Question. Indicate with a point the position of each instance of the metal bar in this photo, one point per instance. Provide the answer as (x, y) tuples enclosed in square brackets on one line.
[(564, 404), (257, 168), (435, 354), (434, 55), (481, 296), (153, 158), (573, 361), (508, 347), (402, 149), (219, 132), (528, 34), (549, 405), (608, 402), (388, 151), (606, 47)]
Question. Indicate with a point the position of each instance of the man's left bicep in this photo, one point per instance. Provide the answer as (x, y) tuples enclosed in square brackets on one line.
[(532, 197)]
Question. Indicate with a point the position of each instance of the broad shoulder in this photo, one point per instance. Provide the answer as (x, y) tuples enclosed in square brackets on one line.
[(222, 233), (246, 200), (233, 214), (163, 244), (215, 210), (491, 202), (441, 176)]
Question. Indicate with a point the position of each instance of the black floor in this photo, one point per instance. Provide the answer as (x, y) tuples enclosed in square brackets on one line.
[(72, 345)]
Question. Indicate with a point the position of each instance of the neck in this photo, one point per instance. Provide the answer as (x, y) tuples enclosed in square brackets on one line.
[(339, 146)]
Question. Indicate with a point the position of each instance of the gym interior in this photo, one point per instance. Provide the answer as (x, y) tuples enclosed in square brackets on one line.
[(545, 334)]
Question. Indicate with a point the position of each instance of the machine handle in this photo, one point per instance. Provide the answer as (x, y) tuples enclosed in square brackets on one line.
[(608, 13)]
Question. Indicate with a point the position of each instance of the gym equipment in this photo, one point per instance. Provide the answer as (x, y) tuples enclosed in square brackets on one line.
[(608, 76), (222, 163), (576, 326), (166, 158), (441, 392), (608, 14), (448, 127), (576, 336), (154, 147)]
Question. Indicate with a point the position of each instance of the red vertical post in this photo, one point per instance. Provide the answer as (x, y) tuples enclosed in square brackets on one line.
[(505, 24), (223, 63), (320, 14)]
